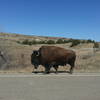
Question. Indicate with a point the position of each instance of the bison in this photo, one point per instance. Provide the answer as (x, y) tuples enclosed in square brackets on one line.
[(52, 56)]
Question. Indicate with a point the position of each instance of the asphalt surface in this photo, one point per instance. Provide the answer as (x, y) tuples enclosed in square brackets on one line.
[(50, 87)]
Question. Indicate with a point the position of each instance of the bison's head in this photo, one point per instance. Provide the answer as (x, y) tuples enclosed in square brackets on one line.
[(35, 58)]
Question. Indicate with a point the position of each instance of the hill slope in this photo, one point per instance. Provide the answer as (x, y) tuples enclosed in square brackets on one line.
[(18, 56)]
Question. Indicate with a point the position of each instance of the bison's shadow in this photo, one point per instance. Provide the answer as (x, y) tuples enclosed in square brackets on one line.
[(51, 72)]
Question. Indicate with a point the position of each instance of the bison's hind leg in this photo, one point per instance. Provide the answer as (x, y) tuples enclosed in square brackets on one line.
[(72, 64), (56, 68), (71, 69)]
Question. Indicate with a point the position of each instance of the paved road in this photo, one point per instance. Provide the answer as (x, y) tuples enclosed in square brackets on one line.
[(49, 87)]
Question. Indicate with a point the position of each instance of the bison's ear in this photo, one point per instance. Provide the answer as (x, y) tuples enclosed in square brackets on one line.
[(36, 53)]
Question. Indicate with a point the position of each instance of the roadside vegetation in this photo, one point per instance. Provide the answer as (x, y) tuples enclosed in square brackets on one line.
[(74, 42)]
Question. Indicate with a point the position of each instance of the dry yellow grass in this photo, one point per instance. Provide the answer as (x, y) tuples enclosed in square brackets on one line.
[(18, 56)]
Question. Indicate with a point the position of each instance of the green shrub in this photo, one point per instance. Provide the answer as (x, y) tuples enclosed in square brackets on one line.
[(90, 41), (65, 41), (75, 42), (42, 42), (68, 41), (18, 42), (60, 41), (96, 45), (34, 42), (25, 42), (50, 42)]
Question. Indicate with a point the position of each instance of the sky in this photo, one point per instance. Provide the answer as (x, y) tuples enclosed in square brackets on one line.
[(78, 19)]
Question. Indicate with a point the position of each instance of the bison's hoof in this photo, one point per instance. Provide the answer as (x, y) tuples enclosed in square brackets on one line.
[(35, 72), (47, 73)]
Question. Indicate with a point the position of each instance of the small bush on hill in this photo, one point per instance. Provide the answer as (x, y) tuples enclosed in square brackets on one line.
[(60, 41), (41, 42), (50, 42), (19, 42), (34, 42), (96, 45), (25, 42), (90, 41), (75, 43), (65, 41)]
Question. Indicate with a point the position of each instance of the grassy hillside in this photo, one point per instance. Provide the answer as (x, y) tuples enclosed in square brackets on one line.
[(17, 55)]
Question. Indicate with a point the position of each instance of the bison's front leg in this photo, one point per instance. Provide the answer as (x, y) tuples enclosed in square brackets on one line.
[(47, 69), (35, 70), (71, 70)]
